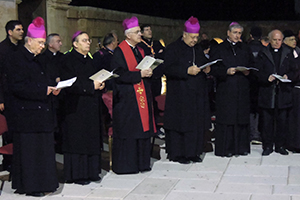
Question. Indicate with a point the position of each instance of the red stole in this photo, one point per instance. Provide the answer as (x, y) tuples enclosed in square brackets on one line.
[(139, 88)]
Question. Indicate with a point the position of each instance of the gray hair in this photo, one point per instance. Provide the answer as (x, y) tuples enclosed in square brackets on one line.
[(234, 25), (50, 36), (26, 39)]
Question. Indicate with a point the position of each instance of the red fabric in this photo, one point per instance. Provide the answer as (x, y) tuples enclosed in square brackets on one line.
[(139, 88), (3, 124), (7, 149), (108, 101)]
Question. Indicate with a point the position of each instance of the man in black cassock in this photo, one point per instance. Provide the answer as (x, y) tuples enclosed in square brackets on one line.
[(14, 31), (133, 120), (102, 60), (275, 97), (51, 60), (293, 142), (233, 94), (81, 126), (187, 115), (155, 49), (32, 122)]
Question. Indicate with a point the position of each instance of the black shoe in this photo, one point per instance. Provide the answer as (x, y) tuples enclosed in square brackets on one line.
[(82, 182), (244, 153), (95, 179), (267, 151), (182, 160), (229, 155), (195, 159), (19, 192), (146, 170), (69, 181), (36, 194), (282, 151), (296, 150)]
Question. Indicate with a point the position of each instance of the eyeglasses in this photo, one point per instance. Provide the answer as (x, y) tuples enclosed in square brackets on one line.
[(194, 37), (41, 43), (87, 40), (136, 32)]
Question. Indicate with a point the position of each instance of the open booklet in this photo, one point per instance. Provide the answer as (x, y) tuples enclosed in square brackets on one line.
[(103, 75), (149, 62), (281, 78), (66, 83), (210, 63), (242, 68)]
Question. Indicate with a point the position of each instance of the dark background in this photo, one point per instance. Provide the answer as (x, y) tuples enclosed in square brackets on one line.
[(202, 9)]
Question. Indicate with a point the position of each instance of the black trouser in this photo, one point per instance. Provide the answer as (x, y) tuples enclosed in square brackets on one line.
[(274, 128)]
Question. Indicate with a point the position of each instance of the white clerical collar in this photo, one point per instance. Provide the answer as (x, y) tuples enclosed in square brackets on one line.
[(275, 50), (29, 51), (130, 44), (233, 43)]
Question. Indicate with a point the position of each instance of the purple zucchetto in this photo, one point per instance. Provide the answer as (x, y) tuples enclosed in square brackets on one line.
[(130, 23), (37, 28), (233, 23), (75, 35), (192, 25)]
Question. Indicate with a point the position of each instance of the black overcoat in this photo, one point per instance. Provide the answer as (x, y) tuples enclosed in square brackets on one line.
[(187, 104), (126, 117), (81, 134), (233, 91), (30, 108), (266, 66)]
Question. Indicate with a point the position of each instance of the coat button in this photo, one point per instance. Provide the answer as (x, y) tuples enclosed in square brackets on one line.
[(39, 107), (42, 72), (84, 90)]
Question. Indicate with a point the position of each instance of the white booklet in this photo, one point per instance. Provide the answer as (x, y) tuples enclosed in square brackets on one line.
[(210, 63), (281, 78), (66, 83), (242, 68), (149, 62), (103, 75)]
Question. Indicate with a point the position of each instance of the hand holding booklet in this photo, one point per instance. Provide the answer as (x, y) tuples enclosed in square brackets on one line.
[(66, 83), (149, 62), (281, 78), (103, 75), (242, 68), (210, 63)]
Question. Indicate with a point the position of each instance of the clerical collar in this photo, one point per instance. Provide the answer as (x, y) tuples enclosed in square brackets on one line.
[(130, 44), (275, 50), (233, 43), (54, 53), (109, 49), (29, 51)]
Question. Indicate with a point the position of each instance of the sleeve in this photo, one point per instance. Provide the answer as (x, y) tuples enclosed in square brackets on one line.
[(173, 68), (82, 85), (119, 65), (23, 82)]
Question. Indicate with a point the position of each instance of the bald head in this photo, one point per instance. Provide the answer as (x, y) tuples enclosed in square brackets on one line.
[(276, 38)]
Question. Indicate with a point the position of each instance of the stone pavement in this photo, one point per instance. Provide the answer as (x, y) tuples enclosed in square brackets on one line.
[(251, 177)]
